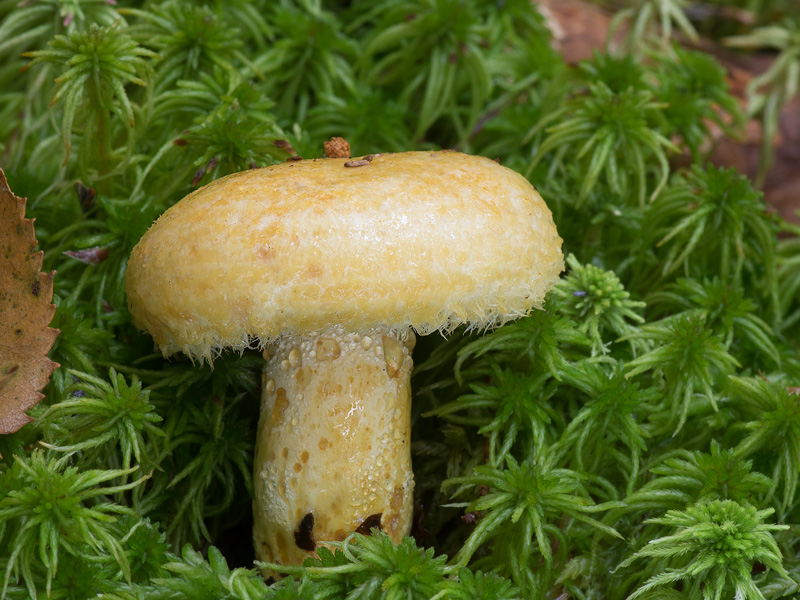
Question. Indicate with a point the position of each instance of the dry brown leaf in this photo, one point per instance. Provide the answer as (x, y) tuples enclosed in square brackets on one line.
[(26, 310), (578, 27)]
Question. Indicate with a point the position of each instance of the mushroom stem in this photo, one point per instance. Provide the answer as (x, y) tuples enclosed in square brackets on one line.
[(333, 446)]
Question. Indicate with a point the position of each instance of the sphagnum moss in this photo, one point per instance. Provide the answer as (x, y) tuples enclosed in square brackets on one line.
[(600, 448)]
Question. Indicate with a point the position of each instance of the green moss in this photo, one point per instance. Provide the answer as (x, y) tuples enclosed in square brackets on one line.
[(637, 437)]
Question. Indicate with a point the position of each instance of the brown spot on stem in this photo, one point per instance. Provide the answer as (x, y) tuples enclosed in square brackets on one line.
[(304, 536), (392, 525), (370, 523), (396, 503), (303, 377)]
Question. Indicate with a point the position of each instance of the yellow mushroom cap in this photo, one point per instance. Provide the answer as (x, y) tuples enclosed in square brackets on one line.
[(429, 240)]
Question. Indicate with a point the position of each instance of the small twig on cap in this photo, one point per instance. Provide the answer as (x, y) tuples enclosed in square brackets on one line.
[(357, 163)]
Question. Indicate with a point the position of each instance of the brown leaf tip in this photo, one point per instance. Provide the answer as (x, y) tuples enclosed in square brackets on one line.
[(285, 145), (89, 256)]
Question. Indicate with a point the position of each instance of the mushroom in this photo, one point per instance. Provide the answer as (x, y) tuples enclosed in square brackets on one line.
[(333, 265)]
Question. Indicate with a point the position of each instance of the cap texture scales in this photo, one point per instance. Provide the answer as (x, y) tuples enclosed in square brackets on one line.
[(426, 239)]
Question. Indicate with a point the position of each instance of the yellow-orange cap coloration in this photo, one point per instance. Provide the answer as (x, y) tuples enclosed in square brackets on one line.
[(429, 240)]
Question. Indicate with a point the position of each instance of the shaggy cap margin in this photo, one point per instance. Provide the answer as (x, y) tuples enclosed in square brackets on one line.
[(429, 240)]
